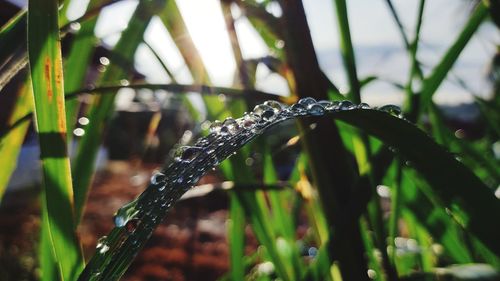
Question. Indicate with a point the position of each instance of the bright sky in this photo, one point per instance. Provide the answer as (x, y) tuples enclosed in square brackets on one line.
[(378, 45)]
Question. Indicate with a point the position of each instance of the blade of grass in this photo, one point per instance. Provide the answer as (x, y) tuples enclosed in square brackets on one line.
[(439, 73), (12, 140), (44, 52), (347, 50), (124, 242), (332, 172), (12, 47), (102, 106), (452, 192), (76, 66), (182, 88), (360, 141), (174, 23)]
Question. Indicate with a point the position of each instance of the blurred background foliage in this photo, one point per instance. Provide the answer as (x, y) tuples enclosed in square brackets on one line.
[(113, 86)]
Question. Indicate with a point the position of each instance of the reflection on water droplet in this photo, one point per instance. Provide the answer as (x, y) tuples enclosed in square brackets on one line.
[(187, 154), (102, 246), (125, 213), (101, 242), (312, 252), (230, 126), (104, 249), (315, 109), (306, 101), (392, 110), (83, 121), (346, 105), (74, 26), (215, 127), (274, 105), (249, 120), (78, 132), (299, 109), (158, 178), (104, 60), (363, 106)]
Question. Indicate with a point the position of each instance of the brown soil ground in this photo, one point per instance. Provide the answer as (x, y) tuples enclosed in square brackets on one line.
[(190, 244)]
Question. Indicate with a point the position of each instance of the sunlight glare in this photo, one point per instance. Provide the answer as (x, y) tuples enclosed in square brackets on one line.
[(205, 23)]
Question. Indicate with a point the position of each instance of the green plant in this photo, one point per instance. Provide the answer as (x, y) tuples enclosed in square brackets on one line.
[(442, 190)]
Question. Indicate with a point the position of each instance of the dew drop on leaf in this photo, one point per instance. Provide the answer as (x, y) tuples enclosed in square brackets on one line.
[(215, 127), (346, 105), (274, 105), (306, 101), (315, 109), (158, 178), (393, 110)]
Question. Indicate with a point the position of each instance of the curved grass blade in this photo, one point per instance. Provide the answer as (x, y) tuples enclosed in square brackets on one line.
[(136, 220), (180, 88), (44, 51)]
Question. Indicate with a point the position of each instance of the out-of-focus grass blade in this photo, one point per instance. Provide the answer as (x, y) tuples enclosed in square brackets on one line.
[(439, 73), (173, 21), (12, 47), (456, 186), (282, 221), (347, 50), (76, 66), (206, 90), (102, 106), (332, 170), (12, 140), (44, 53)]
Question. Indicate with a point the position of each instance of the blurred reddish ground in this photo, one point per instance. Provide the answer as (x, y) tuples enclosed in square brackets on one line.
[(190, 244)]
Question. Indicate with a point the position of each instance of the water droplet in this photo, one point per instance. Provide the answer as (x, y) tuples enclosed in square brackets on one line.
[(346, 105), (230, 126), (264, 111), (312, 252), (363, 106), (83, 121), (102, 245), (299, 109), (187, 154), (101, 242), (306, 101), (325, 103), (125, 213), (392, 110), (274, 105), (334, 105), (78, 132), (74, 27), (249, 120), (316, 109), (104, 60), (158, 178), (216, 126), (104, 249)]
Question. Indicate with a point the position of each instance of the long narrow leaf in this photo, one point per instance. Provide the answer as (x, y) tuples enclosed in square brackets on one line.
[(136, 221), (44, 52)]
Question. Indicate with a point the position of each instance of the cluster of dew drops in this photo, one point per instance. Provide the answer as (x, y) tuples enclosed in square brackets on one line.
[(251, 124)]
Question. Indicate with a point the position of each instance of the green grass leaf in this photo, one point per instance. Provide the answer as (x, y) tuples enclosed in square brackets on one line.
[(11, 139), (44, 51)]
